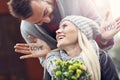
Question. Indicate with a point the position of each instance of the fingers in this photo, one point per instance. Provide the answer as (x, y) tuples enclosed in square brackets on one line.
[(29, 56), (22, 44), (22, 48), (32, 38), (118, 19), (116, 24), (23, 51), (106, 16), (118, 27), (26, 56), (105, 21)]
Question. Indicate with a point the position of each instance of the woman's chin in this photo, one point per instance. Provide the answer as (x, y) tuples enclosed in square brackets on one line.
[(59, 45)]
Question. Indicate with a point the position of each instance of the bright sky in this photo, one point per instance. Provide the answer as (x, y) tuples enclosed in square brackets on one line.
[(115, 8), (114, 5)]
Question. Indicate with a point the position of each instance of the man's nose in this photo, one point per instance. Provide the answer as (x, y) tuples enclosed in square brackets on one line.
[(47, 20)]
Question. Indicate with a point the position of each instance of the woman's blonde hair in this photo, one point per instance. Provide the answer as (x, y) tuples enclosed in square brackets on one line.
[(90, 56)]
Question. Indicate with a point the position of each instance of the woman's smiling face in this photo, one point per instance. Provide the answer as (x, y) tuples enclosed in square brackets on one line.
[(67, 34)]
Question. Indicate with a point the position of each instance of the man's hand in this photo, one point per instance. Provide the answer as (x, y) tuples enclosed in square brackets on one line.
[(109, 29), (33, 50)]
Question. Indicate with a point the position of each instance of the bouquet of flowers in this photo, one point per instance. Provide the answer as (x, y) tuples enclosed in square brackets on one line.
[(70, 70)]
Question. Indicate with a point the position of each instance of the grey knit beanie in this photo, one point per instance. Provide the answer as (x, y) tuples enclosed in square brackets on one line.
[(89, 27)]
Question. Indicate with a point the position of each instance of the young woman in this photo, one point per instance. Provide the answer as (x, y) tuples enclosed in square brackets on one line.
[(75, 41)]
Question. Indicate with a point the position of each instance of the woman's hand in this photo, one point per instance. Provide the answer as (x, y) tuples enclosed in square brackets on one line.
[(33, 50)]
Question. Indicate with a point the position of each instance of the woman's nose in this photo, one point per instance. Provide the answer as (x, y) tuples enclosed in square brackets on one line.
[(58, 31)]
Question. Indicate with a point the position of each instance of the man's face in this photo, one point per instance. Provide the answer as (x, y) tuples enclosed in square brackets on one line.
[(42, 13)]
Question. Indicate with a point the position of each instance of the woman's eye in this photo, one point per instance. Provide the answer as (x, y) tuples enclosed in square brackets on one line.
[(64, 25)]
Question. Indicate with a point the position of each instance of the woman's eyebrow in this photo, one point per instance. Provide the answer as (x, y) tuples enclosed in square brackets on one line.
[(64, 24)]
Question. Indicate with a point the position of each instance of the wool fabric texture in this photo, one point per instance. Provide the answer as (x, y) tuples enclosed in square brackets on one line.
[(89, 27)]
